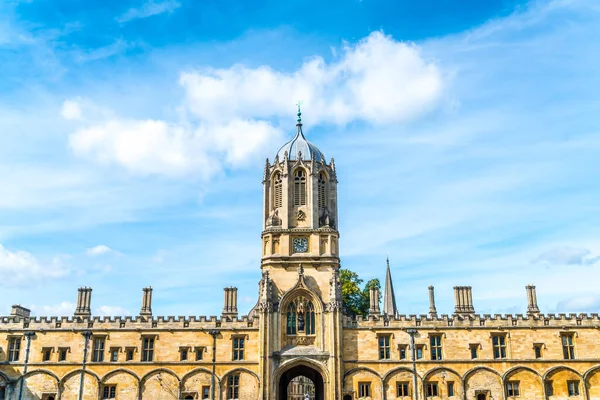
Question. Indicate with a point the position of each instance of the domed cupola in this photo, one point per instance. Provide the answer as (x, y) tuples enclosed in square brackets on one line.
[(299, 144)]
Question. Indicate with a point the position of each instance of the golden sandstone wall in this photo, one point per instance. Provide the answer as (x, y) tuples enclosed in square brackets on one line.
[(169, 378), (166, 377), (484, 375)]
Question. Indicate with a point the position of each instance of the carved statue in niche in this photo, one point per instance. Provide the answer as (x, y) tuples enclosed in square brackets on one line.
[(300, 317), (325, 219), (300, 322), (273, 219), (300, 309)]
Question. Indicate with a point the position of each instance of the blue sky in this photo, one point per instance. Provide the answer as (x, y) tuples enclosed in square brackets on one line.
[(133, 138)]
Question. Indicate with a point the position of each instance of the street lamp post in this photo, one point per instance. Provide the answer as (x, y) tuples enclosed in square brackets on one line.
[(87, 335), (28, 335), (412, 333), (214, 333)]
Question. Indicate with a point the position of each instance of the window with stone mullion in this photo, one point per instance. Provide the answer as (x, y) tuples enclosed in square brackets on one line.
[(233, 387), (14, 349), (499, 345), (299, 188), (277, 199), (98, 351), (568, 347)]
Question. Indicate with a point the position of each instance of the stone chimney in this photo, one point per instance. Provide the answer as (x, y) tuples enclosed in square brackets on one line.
[(463, 300), (532, 306), (230, 303), (20, 311), (432, 310), (374, 301), (146, 310), (84, 299)]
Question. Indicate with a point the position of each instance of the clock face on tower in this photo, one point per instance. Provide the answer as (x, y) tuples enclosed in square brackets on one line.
[(300, 245)]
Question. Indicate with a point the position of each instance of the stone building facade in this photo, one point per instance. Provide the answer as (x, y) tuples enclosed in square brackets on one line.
[(298, 328)]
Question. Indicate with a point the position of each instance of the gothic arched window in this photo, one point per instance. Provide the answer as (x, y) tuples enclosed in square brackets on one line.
[(300, 317), (299, 188), (277, 191), (291, 319), (322, 193), (310, 319)]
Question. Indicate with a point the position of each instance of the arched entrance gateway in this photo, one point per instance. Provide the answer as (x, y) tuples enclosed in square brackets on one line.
[(301, 371)]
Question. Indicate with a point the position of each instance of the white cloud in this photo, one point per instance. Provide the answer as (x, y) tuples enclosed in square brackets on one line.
[(98, 250), (378, 80), (22, 268), (589, 303), (64, 308), (111, 311), (566, 255), (149, 9), (117, 47), (157, 147), (71, 110)]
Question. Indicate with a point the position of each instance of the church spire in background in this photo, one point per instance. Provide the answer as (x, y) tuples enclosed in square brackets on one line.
[(389, 300)]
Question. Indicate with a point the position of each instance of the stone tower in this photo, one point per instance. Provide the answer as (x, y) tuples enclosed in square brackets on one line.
[(300, 291)]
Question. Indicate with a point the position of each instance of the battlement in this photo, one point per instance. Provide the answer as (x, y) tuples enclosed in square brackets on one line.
[(560, 320), (13, 322)]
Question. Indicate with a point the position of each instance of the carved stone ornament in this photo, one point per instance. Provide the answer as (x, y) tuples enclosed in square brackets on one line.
[(265, 304), (301, 215), (273, 218), (325, 219), (335, 293), (305, 340)]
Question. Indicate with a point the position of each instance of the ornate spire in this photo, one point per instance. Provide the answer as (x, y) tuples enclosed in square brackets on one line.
[(389, 300), (299, 114)]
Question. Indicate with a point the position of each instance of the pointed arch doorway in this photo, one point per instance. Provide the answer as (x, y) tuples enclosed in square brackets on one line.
[(301, 370)]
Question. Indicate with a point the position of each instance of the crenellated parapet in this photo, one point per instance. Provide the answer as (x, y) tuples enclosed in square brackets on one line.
[(560, 320), (14, 323)]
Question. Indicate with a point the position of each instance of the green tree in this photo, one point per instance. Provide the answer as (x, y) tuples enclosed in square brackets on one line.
[(355, 299)]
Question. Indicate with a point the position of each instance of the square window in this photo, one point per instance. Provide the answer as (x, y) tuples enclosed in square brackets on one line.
[(14, 348), (419, 349), (98, 349), (431, 389), (129, 352), (435, 342), (109, 392), (499, 346), (402, 389), (537, 348), (183, 353), (450, 388), (233, 387), (474, 349), (238, 348), (47, 353), (114, 354), (568, 346), (364, 389), (199, 353), (549, 388), (512, 389), (384, 347), (147, 349), (62, 353), (573, 388), (402, 349)]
